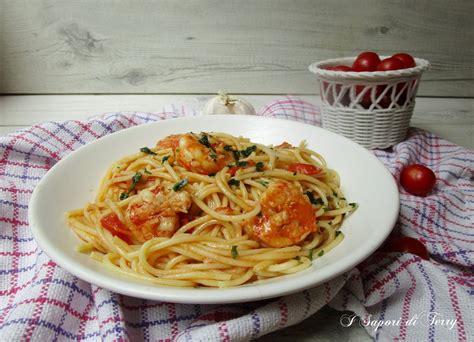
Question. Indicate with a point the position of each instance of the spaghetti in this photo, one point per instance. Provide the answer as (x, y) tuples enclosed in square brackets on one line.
[(211, 209)]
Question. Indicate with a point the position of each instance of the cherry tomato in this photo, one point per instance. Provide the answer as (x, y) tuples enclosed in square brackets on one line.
[(342, 68), (406, 59), (407, 244), (306, 169), (417, 179), (366, 61), (390, 63), (112, 223)]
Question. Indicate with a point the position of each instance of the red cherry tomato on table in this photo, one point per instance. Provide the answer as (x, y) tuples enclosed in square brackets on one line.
[(407, 244), (390, 63), (417, 179), (366, 61), (306, 169), (406, 59)]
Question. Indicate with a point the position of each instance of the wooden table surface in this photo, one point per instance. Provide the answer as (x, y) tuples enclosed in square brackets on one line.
[(450, 118)]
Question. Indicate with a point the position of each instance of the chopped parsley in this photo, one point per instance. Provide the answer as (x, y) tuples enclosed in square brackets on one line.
[(312, 199), (264, 183), (338, 233), (310, 254), (321, 253), (241, 163), (234, 252), (135, 179), (146, 171), (236, 155), (248, 151), (165, 158), (259, 166), (147, 150), (203, 139), (228, 148), (233, 181), (353, 205), (213, 156), (334, 194), (179, 185)]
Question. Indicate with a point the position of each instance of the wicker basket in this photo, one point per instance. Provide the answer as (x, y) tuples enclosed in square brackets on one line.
[(372, 108)]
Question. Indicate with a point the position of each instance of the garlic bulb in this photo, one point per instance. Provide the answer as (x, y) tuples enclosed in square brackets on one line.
[(224, 104)]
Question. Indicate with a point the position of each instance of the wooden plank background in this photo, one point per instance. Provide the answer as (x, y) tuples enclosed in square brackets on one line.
[(259, 47)]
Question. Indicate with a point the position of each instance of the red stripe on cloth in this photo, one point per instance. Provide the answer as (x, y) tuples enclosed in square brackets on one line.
[(39, 305), (406, 306), (457, 311), (223, 332)]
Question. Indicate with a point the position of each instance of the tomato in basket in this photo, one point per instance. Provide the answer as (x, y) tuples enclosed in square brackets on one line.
[(407, 60), (366, 61), (390, 63)]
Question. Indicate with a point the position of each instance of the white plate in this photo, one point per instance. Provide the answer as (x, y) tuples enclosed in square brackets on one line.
[(73, 181)]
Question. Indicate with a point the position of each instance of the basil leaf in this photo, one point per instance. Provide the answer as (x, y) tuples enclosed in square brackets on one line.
[(321, 253), (248, 151), (147, 150), (165, 158), (233, 181), (234, 252), (135, 179), (179, 185), (312, 199), (259, 166), (241, 163)]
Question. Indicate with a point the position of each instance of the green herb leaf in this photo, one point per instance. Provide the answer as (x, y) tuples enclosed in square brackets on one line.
[(165, 158), (236, 155), (310, 254), (234, 252), (213, 155), (321, 253), (264, 183), (248, 151), (228, 148), (147, 150), (135, 179), (334, 194), (147, 172), (241, 163), (353, 205), (233, 181), (179, 185), (312, 199), (338, 233), (259, 166), (203, 139)]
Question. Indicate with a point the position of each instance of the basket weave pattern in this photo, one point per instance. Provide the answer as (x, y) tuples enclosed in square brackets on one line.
[(372, 108)]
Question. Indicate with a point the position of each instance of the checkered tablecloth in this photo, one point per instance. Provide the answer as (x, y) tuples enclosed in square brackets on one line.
[(397, 296)]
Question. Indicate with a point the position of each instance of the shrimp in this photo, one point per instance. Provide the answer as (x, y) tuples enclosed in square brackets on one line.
[(158, 217), (171, 141), (203, 154), (286, 219)]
